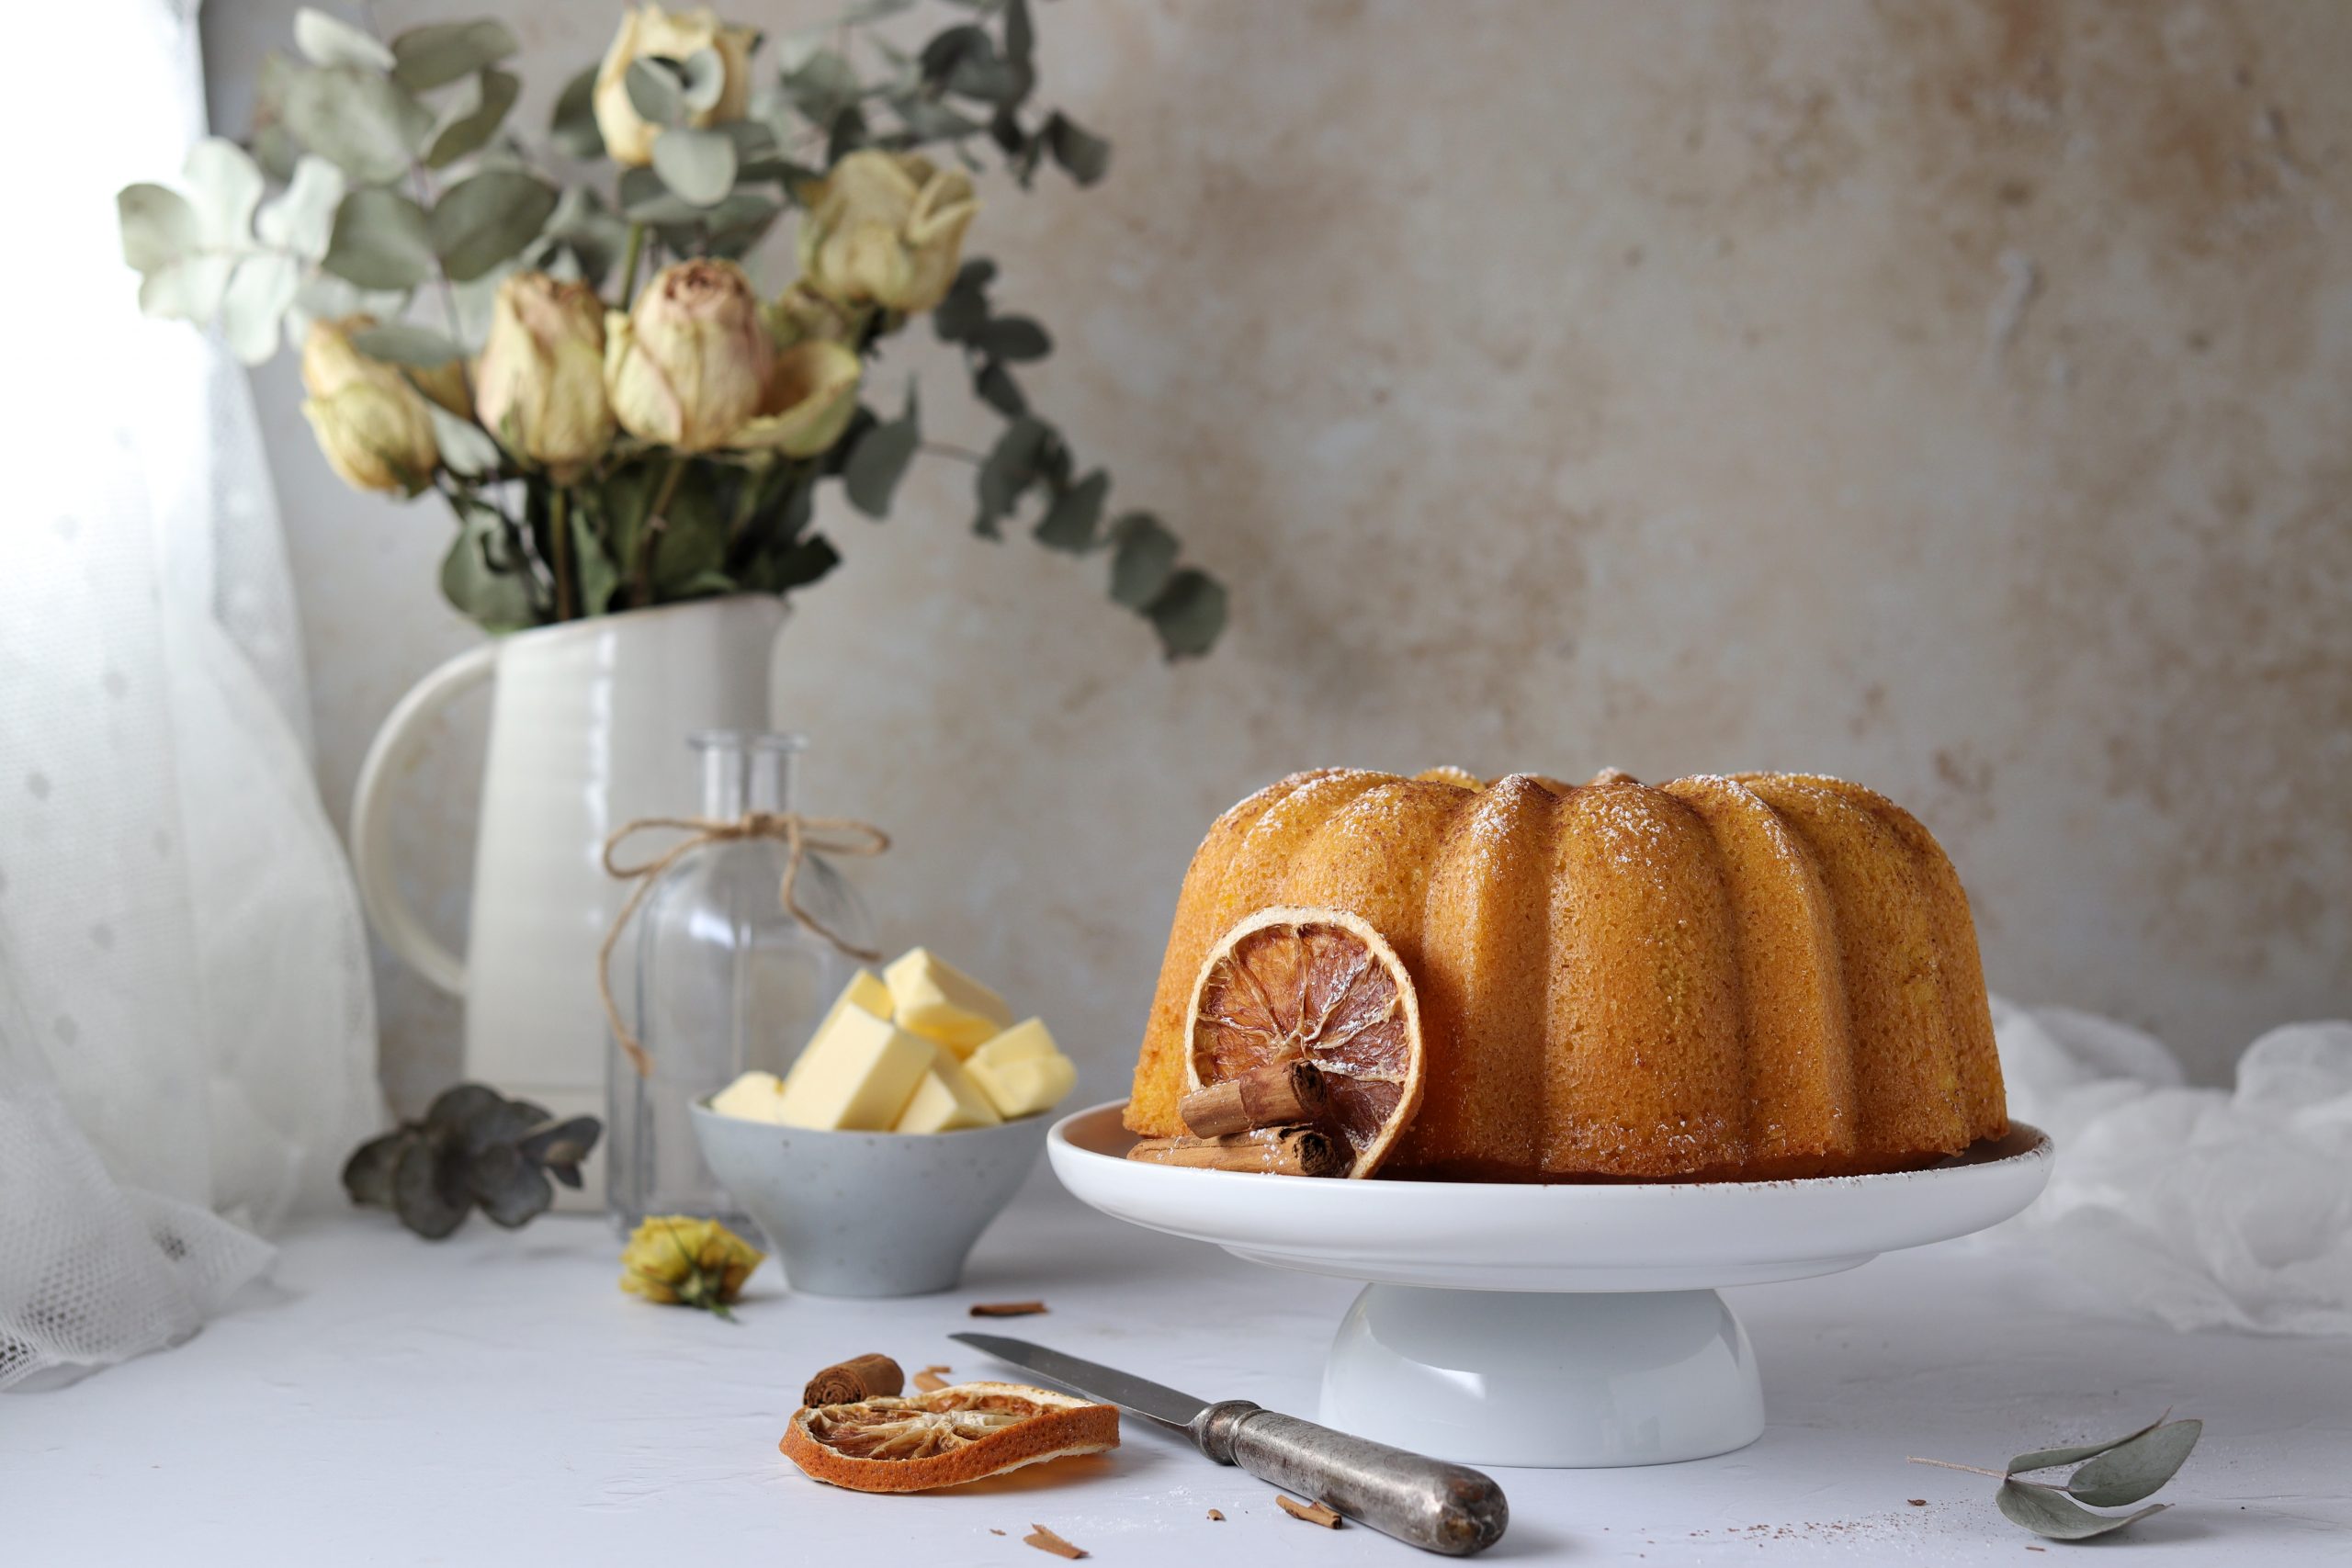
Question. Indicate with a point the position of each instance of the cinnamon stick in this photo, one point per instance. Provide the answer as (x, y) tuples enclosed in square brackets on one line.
[(1312, 1512), (860, 1377), (1277, 1151), (1276, 1095)]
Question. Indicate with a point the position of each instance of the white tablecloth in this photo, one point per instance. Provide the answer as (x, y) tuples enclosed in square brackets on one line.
[(494, 1399)]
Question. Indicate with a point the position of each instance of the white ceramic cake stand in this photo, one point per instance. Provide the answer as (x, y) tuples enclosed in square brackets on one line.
[(1552, 1326)]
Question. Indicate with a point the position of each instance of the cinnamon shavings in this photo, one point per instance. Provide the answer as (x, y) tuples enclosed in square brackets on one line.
[(1007, 1309), (1045, 1539), (929, 1380), (1216, 1516), (1312, 1512)]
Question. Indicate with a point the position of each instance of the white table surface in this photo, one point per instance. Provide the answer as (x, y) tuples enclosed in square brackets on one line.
[(495, 1399)]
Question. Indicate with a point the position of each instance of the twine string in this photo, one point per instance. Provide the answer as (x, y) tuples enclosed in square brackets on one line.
[(800, 836)]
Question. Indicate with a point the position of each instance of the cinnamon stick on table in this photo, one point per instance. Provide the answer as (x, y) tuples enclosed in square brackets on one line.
[(1277, 1151), (860, 1377), (1276, 1095)]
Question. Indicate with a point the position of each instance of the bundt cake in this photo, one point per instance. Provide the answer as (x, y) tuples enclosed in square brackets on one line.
[(1753, 978)]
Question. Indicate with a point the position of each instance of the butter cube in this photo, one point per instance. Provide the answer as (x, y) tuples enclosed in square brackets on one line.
[(1024, 1040), (942, 1003), (755, 1097), (946, 1101), (866, 991), (856, 1076), (1020, 1072)]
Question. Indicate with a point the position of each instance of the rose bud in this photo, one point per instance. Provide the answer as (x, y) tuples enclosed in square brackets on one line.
[(372, 424), (885, 228), (687, 364), (540, 381)]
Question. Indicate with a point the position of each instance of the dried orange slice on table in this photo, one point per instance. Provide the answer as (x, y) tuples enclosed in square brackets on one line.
[(944, 1438), (1321, 986)]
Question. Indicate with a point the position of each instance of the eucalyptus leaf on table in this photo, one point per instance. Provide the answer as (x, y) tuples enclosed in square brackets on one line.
[(2114, 1474), (473, 1147)]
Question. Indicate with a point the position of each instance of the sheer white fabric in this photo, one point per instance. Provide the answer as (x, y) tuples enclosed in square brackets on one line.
[(186, 1028)]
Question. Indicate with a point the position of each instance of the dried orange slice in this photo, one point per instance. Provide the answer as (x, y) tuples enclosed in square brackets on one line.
[(1319, 983), (944, 1438)]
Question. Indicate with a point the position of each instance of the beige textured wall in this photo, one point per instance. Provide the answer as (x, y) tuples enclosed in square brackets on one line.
[(1951, 397)]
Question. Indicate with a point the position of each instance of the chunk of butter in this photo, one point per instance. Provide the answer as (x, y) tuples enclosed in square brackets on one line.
[(947, 1101), (856, 1076), (1021, 1072), (941, 1002), (866, 991), (755, 1097)]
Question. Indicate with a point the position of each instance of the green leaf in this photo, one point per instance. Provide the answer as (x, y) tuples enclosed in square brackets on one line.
[(511, 1190), (1068, 524), (705, 81), (802, 564), (573, 125), (470, 127), (486, 218), (823, 88), (699, 165), (380, 240), (1019, 33), (2047, 1459), (928, 120), (1015, 339), (357, 119), (1013, 466), (434, 56), (255, 301), (495, 600), (655, 91), (466, 448), (225, 186), (593, 570), (401, 344), (159, 227), (581, 226), (1188, 613), (428, 1189), (2134, 1469), (328, 40), (302, 220), (994, 385), (561, 1143), (966, 307), (368, 1174), (880, 460), (188, 289), (2057, 1516), (1143, 559), (1083, 155)]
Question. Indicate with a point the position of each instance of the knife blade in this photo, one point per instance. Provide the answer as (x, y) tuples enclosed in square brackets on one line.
[(1424, 1502)]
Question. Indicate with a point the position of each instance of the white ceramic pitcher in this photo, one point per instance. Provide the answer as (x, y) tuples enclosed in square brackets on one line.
[(588, 721)]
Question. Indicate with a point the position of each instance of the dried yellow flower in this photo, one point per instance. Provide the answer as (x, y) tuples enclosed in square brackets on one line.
[(679, 1261)]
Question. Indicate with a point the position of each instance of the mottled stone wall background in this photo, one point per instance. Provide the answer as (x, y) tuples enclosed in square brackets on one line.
[(1951, 396)]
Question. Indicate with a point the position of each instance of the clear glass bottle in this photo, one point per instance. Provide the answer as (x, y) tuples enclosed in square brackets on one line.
[(726, 981)]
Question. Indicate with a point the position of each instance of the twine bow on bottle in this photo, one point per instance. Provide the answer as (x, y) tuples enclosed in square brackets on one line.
[(798, 834)]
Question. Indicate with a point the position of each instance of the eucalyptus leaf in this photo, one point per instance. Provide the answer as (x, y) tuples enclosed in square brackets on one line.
[(188, 289), (866, 11), (561, 1143), (368, 1174), (928, 120), (159, 226), (511, 1190), (966, 309), (255, 301), (803, 563), (1019, 33), (224, 185), (470, 128), (380, 240), (1069, 521), (2057, 1516), (1083, 155), (436, 55), (329, 40), (2136, 1469), (1143, 559), (302, 220), (1011, 466), (428, 1190), (401, 342), (1015, 339), (849, 134), (704, 81), (495, 601), (2047, 1459), (698, 164), (880, 460), (572, 127), (273, 145), (822, 87), (596, 576), (465, 447), (487, 217), (360, 121), (994, 385), (655, 91), (592, 236), (458, 1104), (1188, 613)]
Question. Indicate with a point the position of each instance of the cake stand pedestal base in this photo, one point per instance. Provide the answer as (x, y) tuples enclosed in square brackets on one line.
[(1530, 1378)]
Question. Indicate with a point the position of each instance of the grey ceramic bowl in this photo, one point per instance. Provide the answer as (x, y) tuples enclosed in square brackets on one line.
[(870, 1214)]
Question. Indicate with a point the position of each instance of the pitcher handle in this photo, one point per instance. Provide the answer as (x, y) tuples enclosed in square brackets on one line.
[(371, 841)]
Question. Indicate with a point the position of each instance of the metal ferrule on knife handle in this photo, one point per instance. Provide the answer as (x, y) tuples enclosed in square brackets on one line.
[(1427, 1503)]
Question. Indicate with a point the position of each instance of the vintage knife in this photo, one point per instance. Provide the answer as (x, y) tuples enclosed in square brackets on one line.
[(1423, 1502)]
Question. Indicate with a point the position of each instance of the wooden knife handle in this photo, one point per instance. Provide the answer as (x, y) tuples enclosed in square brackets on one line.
[(1441, 1507)]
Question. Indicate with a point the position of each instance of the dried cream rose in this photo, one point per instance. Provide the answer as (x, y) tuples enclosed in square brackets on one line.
[(540, 381), (688, 363), (650, 32), (679, 1261), (809, 399), (373, 426), (885, 228)]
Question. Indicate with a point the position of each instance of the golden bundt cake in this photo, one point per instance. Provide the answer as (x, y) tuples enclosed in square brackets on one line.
[(1760, 976)]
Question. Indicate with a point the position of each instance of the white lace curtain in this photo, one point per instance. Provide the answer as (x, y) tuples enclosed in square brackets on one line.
[(187, 1030)]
